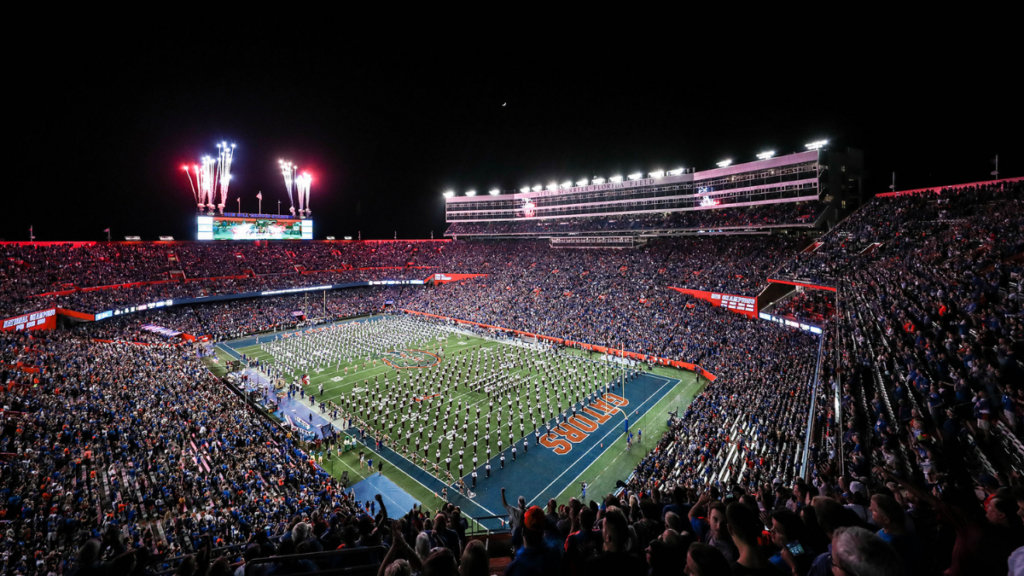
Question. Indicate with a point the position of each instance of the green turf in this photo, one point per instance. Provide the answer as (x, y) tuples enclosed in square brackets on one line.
[(361, 372), (613, 464)]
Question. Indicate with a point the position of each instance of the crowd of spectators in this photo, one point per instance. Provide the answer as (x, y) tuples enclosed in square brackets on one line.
[(785, 214), (607, 297), (118, 449), (234, 318), (921, 354), (816, 306), (735, 265)]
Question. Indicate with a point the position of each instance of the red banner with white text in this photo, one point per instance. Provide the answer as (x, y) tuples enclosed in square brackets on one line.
[(746, 305)]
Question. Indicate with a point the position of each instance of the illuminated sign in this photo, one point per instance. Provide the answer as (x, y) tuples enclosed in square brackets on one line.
[(29, 319), (265, 228), (737, 303), (294, 290), (42, 320), (805, 327)]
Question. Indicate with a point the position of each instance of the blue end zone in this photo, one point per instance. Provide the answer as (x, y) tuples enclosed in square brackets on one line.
[(397, 500)]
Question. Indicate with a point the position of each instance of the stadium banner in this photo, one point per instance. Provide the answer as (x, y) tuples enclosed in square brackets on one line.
[(802, 284), (394, 267), (581, 345), (746, 305), (41, 320), (79, 315), (441, 278)]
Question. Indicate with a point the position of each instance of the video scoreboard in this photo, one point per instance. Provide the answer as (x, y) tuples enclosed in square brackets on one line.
[(261, 228)]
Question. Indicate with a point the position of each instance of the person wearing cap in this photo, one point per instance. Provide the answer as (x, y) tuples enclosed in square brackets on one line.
[(537, 556)]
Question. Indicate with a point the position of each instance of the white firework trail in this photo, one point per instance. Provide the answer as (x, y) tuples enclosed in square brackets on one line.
[(304, 181), (207, 180), (288, 170), (224, 171)]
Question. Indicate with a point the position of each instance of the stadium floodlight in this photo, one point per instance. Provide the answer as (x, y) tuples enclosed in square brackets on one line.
[(816, 144), (766, 155), (552, 186), (724, 163), (636, 176), (657, 174), (494, 192), (449, 194), (537, 188), (597, 180), (567, 184), (581, 182), (615, 179), (471, 193), (524, 189), (675, 172)]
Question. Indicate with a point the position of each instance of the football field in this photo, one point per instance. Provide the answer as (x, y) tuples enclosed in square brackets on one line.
[(437, 397)]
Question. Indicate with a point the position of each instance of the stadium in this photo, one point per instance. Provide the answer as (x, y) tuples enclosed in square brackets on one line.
[(761, 366)]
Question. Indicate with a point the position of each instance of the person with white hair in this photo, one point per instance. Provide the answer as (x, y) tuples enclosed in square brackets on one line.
[(859, 552)]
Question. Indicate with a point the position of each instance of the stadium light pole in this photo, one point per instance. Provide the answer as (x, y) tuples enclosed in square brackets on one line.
[(995, 173)]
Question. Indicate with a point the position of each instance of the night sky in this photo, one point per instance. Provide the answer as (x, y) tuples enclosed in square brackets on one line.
[(102, 129)]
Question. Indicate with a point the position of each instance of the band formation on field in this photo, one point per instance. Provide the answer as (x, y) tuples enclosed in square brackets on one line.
[(445, 400)]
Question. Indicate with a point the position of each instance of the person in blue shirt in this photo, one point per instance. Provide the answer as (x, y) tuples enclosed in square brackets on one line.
[(786, 531), (888, 514)]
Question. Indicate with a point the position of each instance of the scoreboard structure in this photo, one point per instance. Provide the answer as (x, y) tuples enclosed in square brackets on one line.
[(782, 179), (253, 227)]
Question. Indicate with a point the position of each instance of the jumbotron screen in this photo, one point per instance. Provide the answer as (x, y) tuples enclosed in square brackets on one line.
[(225, 228)]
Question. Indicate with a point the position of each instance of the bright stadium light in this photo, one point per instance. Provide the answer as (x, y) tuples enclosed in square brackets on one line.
[(471, 193), (552, 186), (657, 174), (676, 172), (615, 179), (524, 189), (449, 194), (636, 176), (766, 155), (816, 144), (581, 182), (597, 180), (567, 184), (537, 188), (724, 163), (494, 192)]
